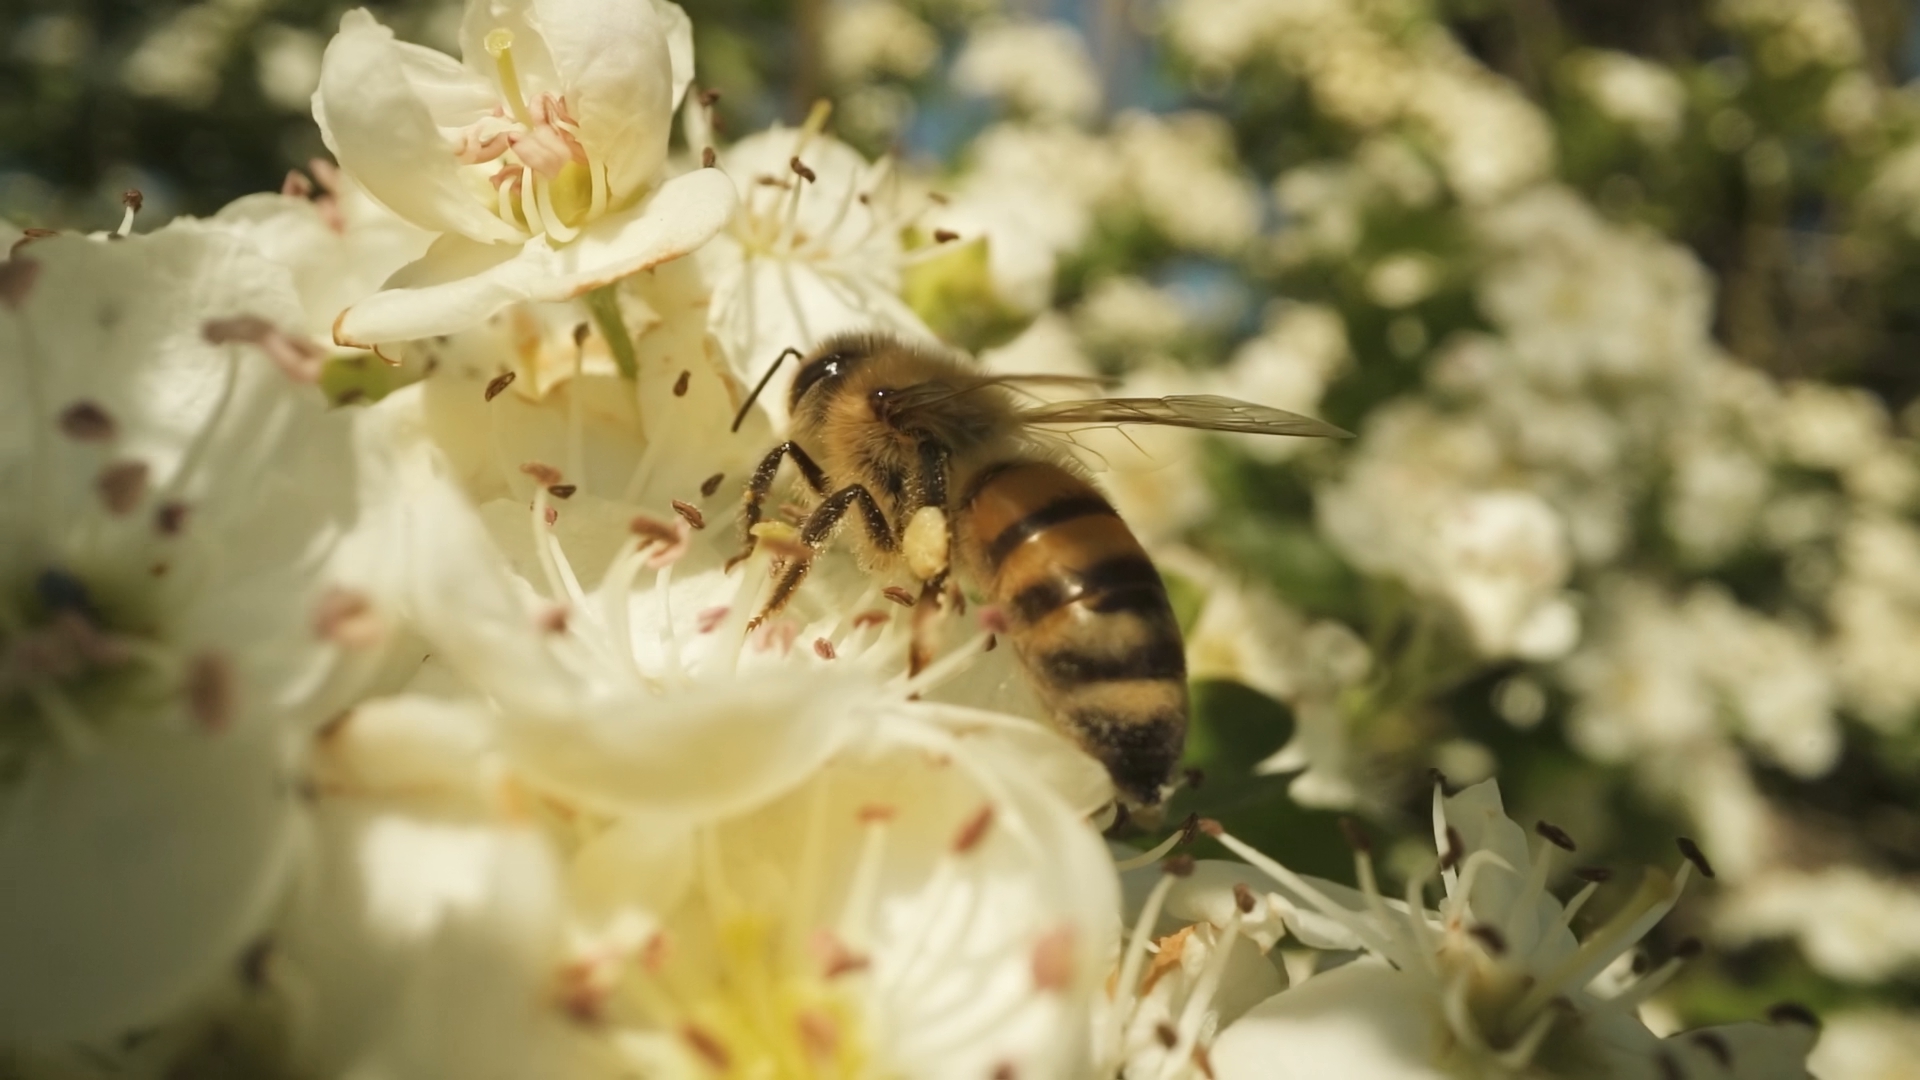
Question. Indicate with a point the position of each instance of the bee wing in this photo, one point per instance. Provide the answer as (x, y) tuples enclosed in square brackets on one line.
[(1207, 412), (930, 394)]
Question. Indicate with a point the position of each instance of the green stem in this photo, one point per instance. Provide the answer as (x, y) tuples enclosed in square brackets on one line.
[(604, 306)]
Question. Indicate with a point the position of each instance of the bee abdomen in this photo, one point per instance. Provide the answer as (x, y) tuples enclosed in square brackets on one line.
[(1089, 617)]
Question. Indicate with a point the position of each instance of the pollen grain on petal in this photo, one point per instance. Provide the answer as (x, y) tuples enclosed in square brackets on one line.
[(122, 485), (1053, 960), (86, 421), (209, 691)]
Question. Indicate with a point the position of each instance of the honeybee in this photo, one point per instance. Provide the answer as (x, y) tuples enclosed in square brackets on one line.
[(935, 459)]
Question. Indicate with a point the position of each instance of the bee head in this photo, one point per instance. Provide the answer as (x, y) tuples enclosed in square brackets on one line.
[(832, 359)]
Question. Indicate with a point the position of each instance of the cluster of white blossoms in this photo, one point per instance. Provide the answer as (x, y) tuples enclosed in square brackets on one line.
[(1576, 496)]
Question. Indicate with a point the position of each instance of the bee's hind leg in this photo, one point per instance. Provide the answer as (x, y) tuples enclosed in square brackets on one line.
[(814, 533)]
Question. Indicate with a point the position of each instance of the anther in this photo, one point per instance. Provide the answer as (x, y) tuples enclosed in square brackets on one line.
[(1688, 949), (1694, 855), (993, 642), (708, 1047), (1180, 865), (1594, 875), (1792, 1012), (1243, 897), (1195, 778), (875, 813), (824, 649), (1357, 838), (690, 514), (711, 485), (1439, 780), (898, 595), (499, 383), (1210, 827), (800, 169), (209, 692), (708, 157), (709, 620), (133, 201), (295, 355), (543, 474), (943, 236), (818, 1033), (870, 617), (562, 491), (1189, 827), (296, 185), (1555, 835), (1495, 942), (1456, 850), (85, 421), (1715, 1046), (974, 831), (345, 617), (1168, 1037), (648, 528), (170, 517), (1004, 1071), (709, 97), (680, 384), (554, 619)]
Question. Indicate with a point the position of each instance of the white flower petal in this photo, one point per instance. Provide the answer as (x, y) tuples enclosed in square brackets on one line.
[(375, 119), (133, 877), (459, 283), (614, 62), (679, 45), (1361, 1021)]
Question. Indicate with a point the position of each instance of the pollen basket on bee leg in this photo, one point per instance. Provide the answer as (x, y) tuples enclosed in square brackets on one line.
[(925, 543)]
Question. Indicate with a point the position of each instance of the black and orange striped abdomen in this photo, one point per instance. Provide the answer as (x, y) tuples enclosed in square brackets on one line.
[(1088, 616)]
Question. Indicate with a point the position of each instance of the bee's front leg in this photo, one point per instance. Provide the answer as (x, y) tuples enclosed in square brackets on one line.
[(761, 484), (814, 534)]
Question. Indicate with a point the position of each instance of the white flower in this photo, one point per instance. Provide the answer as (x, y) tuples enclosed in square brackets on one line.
[(538, 162), (340, 247), (1038, 67), (921, 905), (1867, 1044), (1664, 677), (1502, 558), (1180, 172), (1584, 302), (1493, 984), (1199, 954), (1032, 191), (428, 915), (1638, 93), (877, 37), (171, 619), (815, 249), (1851, 924)]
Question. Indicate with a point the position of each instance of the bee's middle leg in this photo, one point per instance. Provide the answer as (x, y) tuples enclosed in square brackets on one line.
[(761, 484), (814, 535)]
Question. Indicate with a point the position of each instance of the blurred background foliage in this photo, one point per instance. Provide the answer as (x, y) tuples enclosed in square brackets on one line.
[(1687, 233)]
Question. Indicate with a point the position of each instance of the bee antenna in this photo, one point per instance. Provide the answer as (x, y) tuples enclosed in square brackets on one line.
[(741, 416)]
